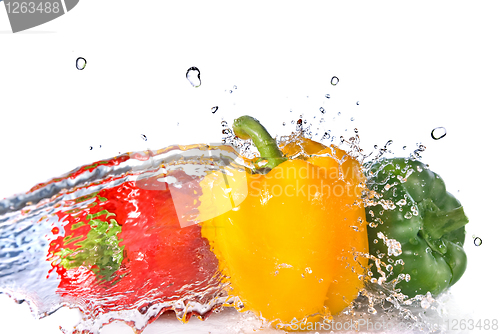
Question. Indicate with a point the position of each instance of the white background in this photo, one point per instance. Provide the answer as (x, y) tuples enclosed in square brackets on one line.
[(411, 66)]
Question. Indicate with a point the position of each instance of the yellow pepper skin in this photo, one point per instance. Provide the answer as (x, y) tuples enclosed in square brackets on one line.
[(288, 249)]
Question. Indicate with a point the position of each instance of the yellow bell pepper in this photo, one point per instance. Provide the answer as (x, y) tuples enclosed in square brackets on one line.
[(288, 247)]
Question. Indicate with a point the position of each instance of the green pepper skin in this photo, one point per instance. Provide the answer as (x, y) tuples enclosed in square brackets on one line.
[(413, 207)]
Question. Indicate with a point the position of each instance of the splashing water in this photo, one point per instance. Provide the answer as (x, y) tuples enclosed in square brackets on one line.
[(88, 239)]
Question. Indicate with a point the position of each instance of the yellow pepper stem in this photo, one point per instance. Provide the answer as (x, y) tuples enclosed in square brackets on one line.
[(246, 127)]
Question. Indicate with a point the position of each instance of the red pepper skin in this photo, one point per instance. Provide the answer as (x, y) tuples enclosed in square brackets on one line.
[(161, 261)]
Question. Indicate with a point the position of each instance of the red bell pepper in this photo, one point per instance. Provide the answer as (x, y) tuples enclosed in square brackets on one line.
[(123, 248)]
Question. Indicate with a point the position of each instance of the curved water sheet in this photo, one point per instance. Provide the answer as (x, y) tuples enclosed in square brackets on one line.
[(117, 239)]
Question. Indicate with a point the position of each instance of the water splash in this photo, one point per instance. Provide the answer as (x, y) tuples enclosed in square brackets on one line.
[(87, 198), (89, 240)]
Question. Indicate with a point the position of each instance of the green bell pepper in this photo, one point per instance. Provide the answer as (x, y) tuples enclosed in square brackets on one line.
[(416, 227)]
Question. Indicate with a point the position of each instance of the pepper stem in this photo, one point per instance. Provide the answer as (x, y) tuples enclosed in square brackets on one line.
[(247, 127)]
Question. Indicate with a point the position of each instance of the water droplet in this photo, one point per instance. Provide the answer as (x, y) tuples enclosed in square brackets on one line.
[(322, 110), (309, 270), (214, 109), (234, 87), (357, 103), (223, 123), (284, 123), (144, 137), (303, 276), (334, 81), (339, 113), (352, 119), (91, 148), (80, 63), (327, 96), (230, 91), (438, 133), (425, 303), (193, 76), (478, 241)]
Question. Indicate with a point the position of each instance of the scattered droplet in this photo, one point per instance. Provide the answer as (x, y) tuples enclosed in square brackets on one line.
[(309, 270), (80, 63), (352, 119), (284, 124), (214, 109), (144, 137), (230, 91), (438, 133), (322, 110), (334, 81), (425, 303), (91, 148), (357, 103), (327, 96), (234, 87), (193, 76), (478, 241)]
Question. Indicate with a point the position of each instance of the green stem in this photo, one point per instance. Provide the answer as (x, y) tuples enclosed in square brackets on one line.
[(247, 127)]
